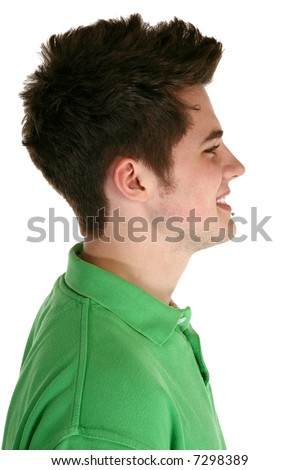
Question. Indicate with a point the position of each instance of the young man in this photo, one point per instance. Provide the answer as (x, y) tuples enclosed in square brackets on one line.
[(118, 120)]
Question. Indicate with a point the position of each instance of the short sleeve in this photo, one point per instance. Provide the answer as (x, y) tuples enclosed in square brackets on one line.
[(79, 442)]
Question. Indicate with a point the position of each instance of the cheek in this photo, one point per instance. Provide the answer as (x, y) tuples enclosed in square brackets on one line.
[(206, 186), (196, 188)]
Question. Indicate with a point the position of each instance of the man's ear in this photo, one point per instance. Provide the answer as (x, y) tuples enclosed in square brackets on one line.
[(130, 178)]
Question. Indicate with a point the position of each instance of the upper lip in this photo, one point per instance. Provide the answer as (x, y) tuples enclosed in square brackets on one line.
[(223, 195)]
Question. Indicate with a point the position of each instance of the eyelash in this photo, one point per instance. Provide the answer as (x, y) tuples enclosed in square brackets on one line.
[(212, 149)]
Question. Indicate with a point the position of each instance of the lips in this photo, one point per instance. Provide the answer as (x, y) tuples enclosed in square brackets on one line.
[(223, 195), (221, 202)]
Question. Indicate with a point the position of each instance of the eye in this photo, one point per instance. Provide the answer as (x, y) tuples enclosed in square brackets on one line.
[(212, 149)]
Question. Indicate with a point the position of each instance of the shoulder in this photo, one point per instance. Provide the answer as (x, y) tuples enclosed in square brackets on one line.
[(103, 374)]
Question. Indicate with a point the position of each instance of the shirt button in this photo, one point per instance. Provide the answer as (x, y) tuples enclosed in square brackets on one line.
[(181, 320)]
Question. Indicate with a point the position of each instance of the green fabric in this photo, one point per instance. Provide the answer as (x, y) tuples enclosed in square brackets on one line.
[(108, 366)]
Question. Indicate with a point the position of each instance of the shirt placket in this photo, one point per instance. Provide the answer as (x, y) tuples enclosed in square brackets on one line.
[(194, 341)]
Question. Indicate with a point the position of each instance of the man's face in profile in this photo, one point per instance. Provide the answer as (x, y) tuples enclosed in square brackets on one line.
[(203, 168)]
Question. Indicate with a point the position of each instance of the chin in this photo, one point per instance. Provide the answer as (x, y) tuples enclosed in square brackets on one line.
[(231, 229), (225, 232)]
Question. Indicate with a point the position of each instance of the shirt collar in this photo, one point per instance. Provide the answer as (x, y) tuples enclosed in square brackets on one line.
[(143, 312)]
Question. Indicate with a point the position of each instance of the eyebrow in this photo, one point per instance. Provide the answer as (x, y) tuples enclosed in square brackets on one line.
[(213, 135)]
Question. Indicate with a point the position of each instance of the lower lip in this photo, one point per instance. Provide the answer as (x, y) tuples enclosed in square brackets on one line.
[(226, 207)]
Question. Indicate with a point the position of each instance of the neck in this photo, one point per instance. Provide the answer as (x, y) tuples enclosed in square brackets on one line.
[(153, 267)]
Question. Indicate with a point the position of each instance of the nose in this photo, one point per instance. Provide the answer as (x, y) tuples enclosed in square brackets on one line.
[(232, 166)]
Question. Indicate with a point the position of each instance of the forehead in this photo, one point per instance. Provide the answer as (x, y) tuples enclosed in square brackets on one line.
[(201, 112)]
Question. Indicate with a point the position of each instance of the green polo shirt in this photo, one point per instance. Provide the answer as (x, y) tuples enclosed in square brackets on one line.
[(108, 366)]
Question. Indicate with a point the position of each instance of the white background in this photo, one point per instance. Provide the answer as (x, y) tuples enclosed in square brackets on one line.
[(244, 296)]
